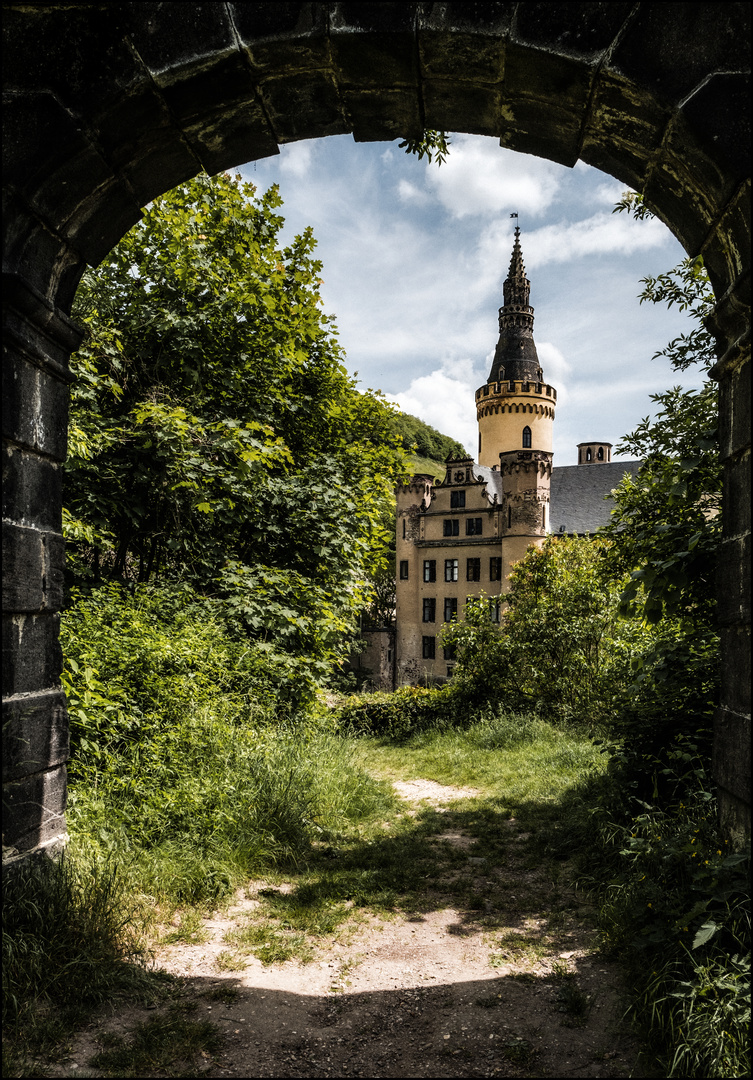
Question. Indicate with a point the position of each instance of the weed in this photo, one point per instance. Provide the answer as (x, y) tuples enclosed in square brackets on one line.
[(69, 944), (518, 1051), (573, 1001), (230, 961), (167, 1044), (190, 930), (225, 993), (270, 945)]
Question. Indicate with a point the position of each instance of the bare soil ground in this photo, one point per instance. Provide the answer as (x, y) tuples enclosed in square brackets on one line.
[(440, 992)]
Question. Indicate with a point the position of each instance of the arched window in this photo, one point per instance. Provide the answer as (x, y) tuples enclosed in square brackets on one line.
[(509, 517), (526, 438), (588, 454), (600, 454)]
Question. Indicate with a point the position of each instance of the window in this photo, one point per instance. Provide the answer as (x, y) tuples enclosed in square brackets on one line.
[(451, 569), (509, 517), (449, 671), (450, 608), (588, 454), (449, 652), (403, 569), (429, 648), (430, 569), (473, 526), (495, 569), (457, 499), (451, 527), (494, 610), (600, 454), (403, 528), (473, 572), (430, 609), (479, 442), (526, 438)]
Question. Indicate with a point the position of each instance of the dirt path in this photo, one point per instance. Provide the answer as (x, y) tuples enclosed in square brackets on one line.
[(442, 992)]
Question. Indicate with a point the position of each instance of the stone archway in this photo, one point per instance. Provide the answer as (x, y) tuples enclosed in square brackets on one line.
[(108, 105)]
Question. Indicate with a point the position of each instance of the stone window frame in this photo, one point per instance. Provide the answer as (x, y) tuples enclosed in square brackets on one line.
[(429, 647), (404, 572), (473, 569), (429, 609), (451, 568), (430, 570)]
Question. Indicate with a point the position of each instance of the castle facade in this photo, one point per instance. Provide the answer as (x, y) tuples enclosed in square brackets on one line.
[(461, 536)]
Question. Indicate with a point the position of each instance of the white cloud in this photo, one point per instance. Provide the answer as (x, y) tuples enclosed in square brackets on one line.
[(602, 234), (409, 193), (296, 158), (444, 401), (555, 367), (479, 178)]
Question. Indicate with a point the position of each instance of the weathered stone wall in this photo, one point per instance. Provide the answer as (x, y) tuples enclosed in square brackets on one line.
[(107, 106)]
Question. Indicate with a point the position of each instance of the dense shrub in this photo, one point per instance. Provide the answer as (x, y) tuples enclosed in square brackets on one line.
[(193, 756), (410, 710)]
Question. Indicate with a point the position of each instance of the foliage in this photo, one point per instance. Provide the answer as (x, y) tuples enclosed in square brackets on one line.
[(71, 942), (400, 715), (430, 144), (216, 435), (196, 758), (423, 440), (559, 647)]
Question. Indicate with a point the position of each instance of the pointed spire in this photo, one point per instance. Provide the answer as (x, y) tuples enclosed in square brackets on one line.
[(515, 356), (517, 287)]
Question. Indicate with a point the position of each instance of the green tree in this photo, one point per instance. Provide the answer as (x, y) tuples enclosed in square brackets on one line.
[(216, 435)]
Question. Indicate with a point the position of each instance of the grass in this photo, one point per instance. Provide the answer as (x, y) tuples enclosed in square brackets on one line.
[(168, 1044)]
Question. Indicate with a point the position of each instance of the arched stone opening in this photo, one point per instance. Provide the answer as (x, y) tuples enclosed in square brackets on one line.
[(108, 106)]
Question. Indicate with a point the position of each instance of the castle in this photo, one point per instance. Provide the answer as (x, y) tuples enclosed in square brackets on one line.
[(461, 536)]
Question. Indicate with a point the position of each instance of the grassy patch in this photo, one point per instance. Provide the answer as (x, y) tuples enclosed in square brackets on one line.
[(169, 1044)]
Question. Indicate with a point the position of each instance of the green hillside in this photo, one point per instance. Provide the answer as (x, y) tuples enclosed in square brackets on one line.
[(430, 447)]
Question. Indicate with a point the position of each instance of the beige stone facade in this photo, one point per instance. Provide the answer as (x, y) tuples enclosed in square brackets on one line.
[(461, 537)]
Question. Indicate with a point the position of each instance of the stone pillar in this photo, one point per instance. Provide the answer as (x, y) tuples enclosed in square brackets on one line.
[(38, 340), (731, 756)]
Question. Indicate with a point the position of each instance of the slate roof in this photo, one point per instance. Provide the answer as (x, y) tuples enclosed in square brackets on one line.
[(493, 480), (577, 495)]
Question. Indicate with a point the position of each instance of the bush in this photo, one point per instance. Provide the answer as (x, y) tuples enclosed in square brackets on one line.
[(192, 764), (406, 712)]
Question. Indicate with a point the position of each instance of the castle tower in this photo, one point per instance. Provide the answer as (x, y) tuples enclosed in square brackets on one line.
[(515, 412), (515, 407)]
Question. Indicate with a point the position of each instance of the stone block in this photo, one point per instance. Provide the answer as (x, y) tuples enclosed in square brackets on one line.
[(34, 809), (143, 144), (32, 490), (735, 418), (303, 106), (733, 581), (464, 42), (581, 30), (101, 219), (175, 41), (546, 76), (34, 408), (32, 570), (35, 734), (44, 332), (78, 52), (283, 36), (671, 48), (679, 197), (31, 248), (734, 660), (32, 657), (717, 113), (736, 500), (376, 115), (373, 44), (463, 107), (726, 254), (523, 121), (230, 137), (731, 753), (623, 131)]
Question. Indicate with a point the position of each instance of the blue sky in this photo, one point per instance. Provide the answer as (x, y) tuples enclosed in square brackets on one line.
[(414, 257)]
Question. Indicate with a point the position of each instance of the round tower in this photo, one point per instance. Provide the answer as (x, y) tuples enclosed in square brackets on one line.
[(515, 407)]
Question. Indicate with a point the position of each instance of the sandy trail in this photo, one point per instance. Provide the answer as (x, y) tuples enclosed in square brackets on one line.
[(431, 994)]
